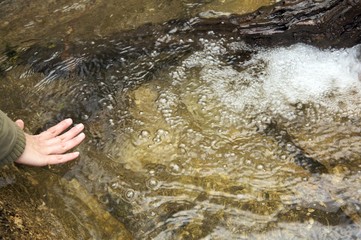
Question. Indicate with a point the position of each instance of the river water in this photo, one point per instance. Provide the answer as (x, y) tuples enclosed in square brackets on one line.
[(208, 147)]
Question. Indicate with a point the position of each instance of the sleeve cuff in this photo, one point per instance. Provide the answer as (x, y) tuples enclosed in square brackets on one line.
[(18, 148)]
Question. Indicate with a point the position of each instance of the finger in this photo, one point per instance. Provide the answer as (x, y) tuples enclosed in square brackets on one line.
[(56, 159), (57, 129), (74, 131), (63, 147), (20, 123)]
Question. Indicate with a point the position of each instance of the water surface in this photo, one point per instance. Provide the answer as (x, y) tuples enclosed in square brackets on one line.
[(205, 149)]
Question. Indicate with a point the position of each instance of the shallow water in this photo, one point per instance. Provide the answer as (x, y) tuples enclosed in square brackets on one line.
[(208, 148), (212, 171)]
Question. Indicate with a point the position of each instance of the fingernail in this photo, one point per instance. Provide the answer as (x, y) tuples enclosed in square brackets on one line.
[(80, 125), (69, 120)]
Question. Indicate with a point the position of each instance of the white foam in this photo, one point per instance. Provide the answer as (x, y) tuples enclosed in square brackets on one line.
[(303, 73), (281, 77)]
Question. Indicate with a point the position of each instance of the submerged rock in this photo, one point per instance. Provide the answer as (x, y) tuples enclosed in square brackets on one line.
[(96, 82)]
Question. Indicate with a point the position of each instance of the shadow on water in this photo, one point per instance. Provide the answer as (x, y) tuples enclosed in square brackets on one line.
[(186, 137)]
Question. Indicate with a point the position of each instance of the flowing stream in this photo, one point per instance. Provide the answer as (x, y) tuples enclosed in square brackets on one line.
[(212, 147)]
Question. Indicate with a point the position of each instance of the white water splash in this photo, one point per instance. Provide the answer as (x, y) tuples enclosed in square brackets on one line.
[(277, 79)]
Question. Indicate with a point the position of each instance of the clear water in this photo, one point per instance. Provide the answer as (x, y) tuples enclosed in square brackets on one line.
[(189, 154), (210, 165)]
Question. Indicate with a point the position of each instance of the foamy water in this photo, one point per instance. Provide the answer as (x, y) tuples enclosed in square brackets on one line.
[(277, 79)]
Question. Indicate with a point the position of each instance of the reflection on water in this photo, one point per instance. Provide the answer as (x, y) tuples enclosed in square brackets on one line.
[(211, 147)]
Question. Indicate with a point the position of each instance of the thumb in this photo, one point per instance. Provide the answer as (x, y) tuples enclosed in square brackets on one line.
[(20, 123)]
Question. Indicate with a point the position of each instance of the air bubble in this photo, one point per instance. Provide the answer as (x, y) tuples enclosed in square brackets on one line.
[(162, 100), (174, 167), (260, 167), (115, 185), (152, 183), (129, 194), (290, 147), (144, 134)]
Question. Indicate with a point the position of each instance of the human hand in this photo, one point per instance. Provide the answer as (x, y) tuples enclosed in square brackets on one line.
[(49, 147)]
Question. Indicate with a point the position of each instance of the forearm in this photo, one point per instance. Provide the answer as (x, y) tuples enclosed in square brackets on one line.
[(12, 140)]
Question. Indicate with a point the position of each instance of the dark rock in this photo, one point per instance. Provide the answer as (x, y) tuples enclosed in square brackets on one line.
[(327, 23)]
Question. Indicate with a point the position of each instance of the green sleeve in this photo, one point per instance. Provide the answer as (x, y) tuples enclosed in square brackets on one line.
[(12, 140)]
